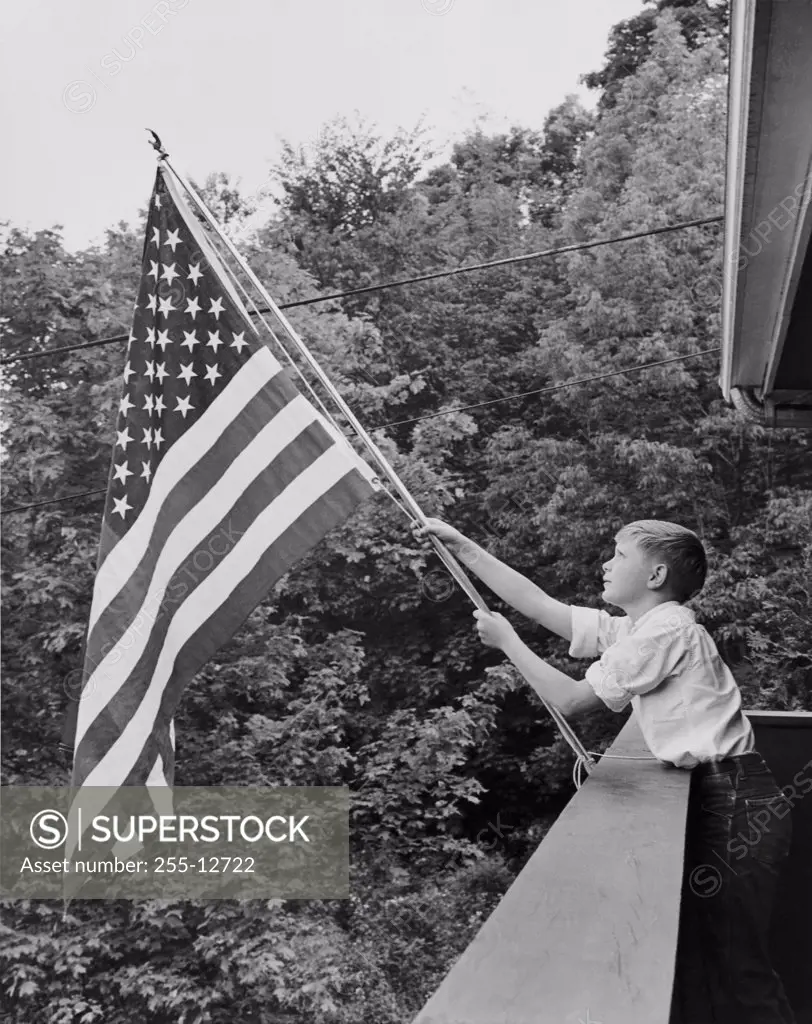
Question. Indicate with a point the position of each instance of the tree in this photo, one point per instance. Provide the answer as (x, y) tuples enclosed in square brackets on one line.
[(361, 668), (349, 176), (225, 201), (630, 41)]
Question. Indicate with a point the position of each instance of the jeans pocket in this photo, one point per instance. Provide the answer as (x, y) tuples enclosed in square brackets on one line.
[(769, 826), (712, 818)]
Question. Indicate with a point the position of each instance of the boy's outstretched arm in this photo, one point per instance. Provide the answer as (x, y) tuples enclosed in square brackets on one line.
[(570, 696), (516, 590)]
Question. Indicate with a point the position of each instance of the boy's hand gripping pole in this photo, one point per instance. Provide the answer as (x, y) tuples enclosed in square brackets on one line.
[(458, 573)]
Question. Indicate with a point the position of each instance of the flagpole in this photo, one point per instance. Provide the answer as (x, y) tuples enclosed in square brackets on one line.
[(451, 563)]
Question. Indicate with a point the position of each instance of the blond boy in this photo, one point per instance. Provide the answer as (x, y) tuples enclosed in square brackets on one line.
[(661, 661)]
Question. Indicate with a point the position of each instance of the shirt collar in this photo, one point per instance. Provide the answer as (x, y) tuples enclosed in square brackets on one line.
[(667, 607)]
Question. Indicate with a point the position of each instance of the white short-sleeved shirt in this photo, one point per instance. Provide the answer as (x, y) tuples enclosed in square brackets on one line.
[(685, 697)]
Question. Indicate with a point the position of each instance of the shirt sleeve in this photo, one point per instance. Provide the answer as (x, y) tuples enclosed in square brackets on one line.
[(636, 664), (593, 631)]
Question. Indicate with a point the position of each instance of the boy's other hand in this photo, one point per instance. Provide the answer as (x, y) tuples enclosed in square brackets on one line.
[(442, 531), (493, 629)]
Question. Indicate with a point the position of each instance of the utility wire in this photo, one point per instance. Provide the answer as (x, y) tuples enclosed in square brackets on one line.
[(578, 246), (552, 387), (432, 415), (53, 501), (575, 247)]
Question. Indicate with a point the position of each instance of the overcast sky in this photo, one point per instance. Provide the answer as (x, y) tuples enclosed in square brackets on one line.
[(223, 82)]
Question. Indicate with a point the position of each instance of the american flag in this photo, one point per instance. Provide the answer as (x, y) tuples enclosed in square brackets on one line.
[(222, 476)]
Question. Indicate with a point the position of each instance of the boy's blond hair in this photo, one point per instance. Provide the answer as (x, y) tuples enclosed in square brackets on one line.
[(679, 548)]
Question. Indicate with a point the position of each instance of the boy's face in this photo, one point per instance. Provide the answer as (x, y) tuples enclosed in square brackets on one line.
[(627, 574)]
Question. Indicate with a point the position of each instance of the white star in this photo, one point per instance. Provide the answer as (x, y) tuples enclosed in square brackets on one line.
[(157, 437), (125, 405), (216, 308), (239, 342), (122, 471), (146, 472), (186, 372), (152, 303), (121, 506), (194, 272), (147, 438), (159, 399), (169, 273), (153, 269), (150, 371), (212, 373), (173, 239), (184, 405), (161, 372), (131, 339), (157, 200), (123, 438), (150, 339), (149, 403), (190, 339), (166, 305), (192, 306), (214, 340), (164, 340), (128, 372), (156, 237)]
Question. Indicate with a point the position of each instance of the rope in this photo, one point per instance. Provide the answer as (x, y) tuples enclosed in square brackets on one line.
[(559, 250), (580, 766)]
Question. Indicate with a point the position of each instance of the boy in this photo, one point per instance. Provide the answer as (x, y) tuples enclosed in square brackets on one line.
[(688, 706)]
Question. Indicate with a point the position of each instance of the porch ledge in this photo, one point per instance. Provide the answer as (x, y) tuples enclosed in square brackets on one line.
[(588, 931)]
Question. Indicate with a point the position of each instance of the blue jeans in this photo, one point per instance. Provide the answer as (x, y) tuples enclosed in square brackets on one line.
[(738, 835)]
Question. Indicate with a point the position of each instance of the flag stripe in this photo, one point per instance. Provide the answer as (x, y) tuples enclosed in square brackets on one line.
[(122, 560), (136, 659), (211, 593), (239, 479), (157, 778), (188, 538), (182, 515), (308, 529)]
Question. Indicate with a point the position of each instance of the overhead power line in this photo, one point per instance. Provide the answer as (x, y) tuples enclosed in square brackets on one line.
[(433, 415), (435, 275), (544, 391), (54, 501)]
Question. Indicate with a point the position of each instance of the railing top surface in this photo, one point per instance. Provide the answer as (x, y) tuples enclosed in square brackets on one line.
[(589, 928), (779, 719)]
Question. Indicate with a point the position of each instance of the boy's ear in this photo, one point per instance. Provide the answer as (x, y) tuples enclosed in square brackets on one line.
[(658, 576)]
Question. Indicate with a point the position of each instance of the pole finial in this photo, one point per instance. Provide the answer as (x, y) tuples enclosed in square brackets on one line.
[(156, 143)]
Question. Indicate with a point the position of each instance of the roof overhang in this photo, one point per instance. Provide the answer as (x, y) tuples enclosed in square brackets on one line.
[(767, 282)]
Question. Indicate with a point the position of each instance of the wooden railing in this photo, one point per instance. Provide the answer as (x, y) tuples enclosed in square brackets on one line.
[(588, 931), (785, 740)]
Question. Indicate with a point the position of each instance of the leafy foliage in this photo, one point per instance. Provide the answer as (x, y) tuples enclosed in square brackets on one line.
[(630, 41), (361, 667)]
